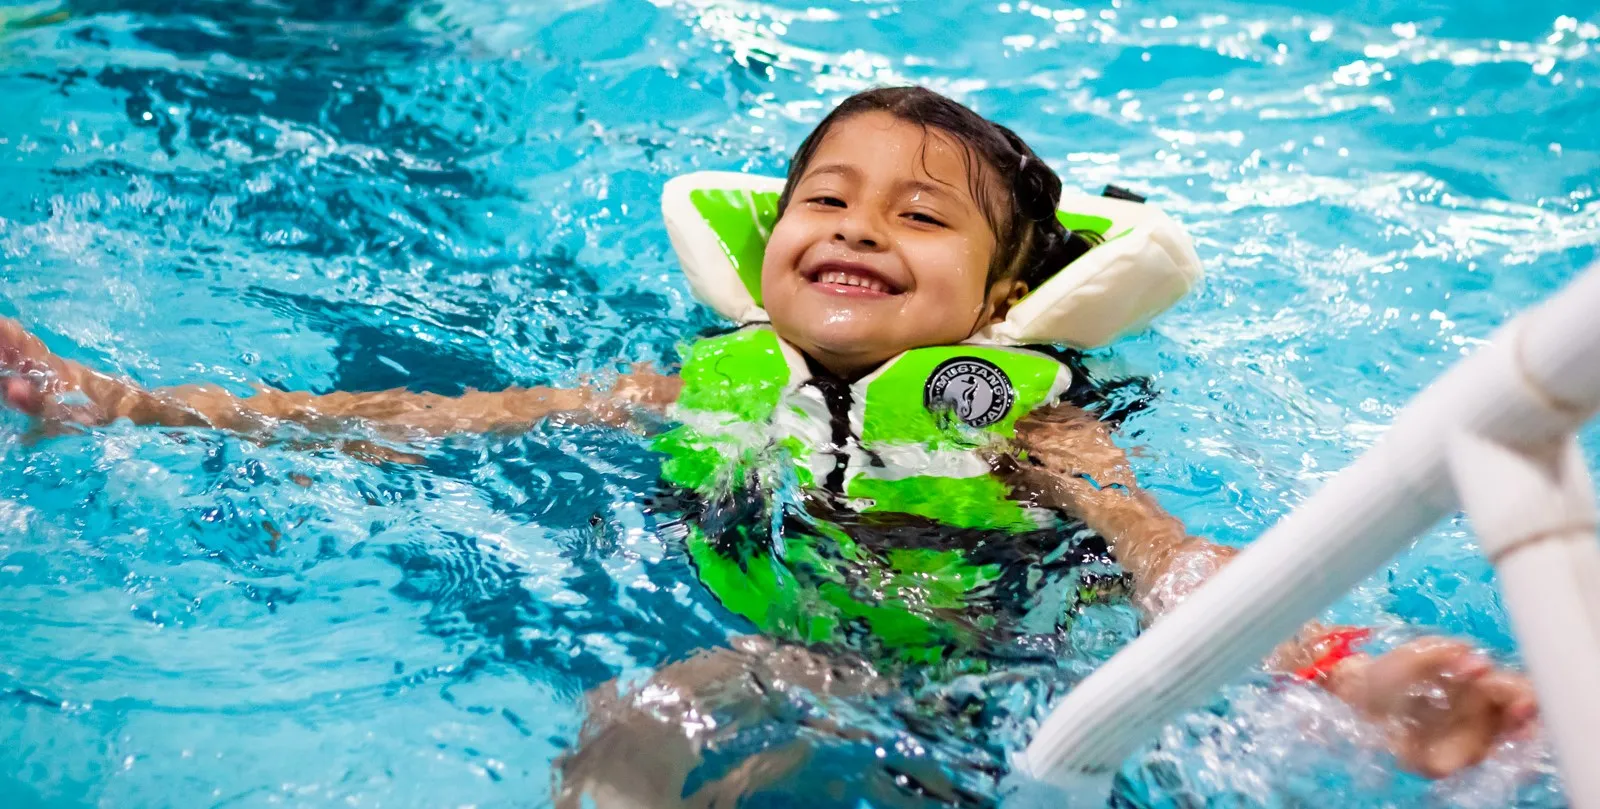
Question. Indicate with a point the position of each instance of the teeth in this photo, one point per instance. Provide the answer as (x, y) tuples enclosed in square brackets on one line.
[(850, 280)]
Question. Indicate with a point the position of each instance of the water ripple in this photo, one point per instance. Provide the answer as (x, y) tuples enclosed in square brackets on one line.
[(458, 194)]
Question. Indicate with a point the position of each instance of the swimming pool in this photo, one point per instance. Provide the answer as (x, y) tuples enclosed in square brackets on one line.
[(464, 194)]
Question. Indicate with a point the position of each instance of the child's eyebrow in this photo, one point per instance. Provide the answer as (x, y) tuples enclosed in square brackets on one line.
[(914, 187), (844, 170), (908, 187)]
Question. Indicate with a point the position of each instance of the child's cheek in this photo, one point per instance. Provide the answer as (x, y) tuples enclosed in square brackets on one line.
[(780, 259)]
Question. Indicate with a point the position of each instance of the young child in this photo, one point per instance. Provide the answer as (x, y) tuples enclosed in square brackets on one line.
[(907, 221)]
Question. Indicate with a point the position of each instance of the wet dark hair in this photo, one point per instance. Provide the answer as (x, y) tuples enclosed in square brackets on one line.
[(1014, 189)]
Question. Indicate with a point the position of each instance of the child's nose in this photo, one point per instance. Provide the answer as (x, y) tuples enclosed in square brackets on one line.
[(859, 232)]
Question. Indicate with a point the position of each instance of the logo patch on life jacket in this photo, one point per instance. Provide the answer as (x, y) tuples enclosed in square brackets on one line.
[(977, 390)]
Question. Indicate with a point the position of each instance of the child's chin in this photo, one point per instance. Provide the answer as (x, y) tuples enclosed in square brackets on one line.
[(853, 340)]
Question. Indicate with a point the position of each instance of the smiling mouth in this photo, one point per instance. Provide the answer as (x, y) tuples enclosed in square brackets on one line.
[(851, 279)]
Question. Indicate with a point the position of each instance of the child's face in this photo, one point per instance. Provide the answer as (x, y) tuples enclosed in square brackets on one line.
[(882, 248)]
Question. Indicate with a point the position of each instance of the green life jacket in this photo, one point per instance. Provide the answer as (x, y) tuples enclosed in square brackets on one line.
[(908, 440)]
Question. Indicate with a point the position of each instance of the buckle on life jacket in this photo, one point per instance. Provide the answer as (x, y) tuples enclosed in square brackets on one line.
[(1118, 192)]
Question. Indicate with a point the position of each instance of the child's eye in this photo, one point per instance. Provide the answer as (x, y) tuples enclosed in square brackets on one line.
[(831, 202), (922, 218)]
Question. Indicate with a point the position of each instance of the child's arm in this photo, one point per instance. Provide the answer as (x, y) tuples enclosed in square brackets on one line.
[(1072, 464), (42, 384), (1443, 704)]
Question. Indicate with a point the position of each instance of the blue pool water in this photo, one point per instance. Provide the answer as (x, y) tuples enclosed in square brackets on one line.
[(463, 194)]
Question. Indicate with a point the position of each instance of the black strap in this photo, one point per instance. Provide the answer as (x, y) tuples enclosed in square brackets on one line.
[(836, 394)]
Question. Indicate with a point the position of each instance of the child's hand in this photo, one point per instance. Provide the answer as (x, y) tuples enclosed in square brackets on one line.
[(61, 393), (1444, 705), (37, 382), (1070, 442)]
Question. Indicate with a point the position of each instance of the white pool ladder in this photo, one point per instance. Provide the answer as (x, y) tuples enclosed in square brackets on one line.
[(1494, 435)]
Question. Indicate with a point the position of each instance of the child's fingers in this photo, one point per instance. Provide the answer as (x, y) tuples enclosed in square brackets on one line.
[(1509, 687), (1420, 748), (30, 385), (1522, 711), (1431, 652), (1450, 663), (1466, 664), (1445, 733), (23, 395), (33, 392), (1415, 676), (1457, 752), (40, 399), (1519, 704)]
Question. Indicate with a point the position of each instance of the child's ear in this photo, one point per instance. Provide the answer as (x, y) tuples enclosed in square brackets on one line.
[(1003, 296)]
